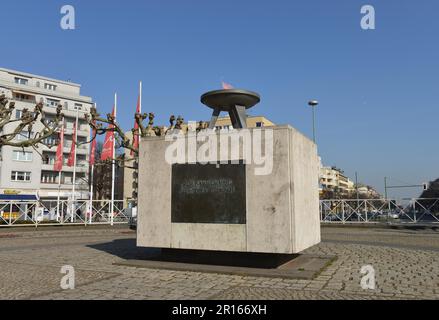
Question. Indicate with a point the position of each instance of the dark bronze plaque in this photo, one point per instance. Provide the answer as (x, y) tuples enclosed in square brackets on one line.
[(208, 194)]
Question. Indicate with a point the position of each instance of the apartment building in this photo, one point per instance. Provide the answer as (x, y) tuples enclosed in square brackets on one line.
[(333, 179), (28, 172), (368, 192)]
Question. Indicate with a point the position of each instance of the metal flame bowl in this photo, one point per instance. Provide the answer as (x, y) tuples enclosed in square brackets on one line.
[(226, 99)]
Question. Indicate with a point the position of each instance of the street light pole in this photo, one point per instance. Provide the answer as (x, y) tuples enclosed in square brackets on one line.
[(385, 188), (313, 104), (356, 184)]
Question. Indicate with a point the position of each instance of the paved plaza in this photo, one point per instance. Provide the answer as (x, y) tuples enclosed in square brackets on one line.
[(406, 262)]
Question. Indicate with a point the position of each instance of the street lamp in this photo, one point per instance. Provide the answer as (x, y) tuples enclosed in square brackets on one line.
[(313, 104)]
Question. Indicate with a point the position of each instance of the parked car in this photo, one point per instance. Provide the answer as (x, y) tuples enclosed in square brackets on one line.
[(331, 217), (42, 214), (393, 215)]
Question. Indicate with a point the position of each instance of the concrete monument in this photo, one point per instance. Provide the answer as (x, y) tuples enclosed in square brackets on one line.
[(245, 190)]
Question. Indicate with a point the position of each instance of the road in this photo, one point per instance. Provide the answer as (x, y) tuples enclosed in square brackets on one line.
[(406, 263)]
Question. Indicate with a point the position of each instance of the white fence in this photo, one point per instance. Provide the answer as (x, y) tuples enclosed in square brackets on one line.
[(84, 212), (379, 210)]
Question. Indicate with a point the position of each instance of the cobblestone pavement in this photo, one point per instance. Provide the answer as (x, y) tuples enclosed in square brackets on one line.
[(406, 264)]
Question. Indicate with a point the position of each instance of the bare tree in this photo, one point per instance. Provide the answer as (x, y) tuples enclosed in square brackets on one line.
[(26, 124), (98, 124), (101, 125)]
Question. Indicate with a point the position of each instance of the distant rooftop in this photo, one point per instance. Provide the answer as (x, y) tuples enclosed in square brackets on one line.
[(30, 75)]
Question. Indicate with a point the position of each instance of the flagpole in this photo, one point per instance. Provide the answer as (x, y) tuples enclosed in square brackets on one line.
[(74, 167), (59, 185), (90, 208), (140, 99), (60, 148), (59, 190), (113, 167)]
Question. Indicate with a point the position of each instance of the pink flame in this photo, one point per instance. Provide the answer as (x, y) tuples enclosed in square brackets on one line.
[(226, 86)]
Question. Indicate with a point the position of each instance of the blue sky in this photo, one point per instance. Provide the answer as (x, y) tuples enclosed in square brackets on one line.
[(378, 94)]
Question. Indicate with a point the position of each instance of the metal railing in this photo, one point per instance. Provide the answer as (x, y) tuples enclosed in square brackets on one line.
[(64, 212), (86, 212), (380, 210)]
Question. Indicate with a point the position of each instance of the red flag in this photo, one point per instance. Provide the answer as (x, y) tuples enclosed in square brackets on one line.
[(59, 151), (71, 160), (107, 149), (136, 129), (93, 148), (226, 86)]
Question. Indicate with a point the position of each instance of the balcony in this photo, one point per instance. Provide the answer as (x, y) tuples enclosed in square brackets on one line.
[(82, 132), (31, 101), (80, 150), (81, 167), (80, 186), (68, 111)]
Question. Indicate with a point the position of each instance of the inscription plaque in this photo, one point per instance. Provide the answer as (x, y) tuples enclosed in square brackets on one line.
[(208, 194)]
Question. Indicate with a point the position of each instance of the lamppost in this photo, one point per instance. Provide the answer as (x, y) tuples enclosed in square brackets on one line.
[(313, 104), (385, 188)]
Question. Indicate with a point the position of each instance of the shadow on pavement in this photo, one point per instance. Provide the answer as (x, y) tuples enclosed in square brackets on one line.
[(127, 249)]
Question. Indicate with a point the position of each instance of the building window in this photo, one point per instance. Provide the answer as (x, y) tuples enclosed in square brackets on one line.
[(21, 81), (77, 106), (49, 177), (19, 114), (82, 141), (52, 140), (49, 86), (49, 159), (52, 102), (71, 124), (20, 176), (19, 155), (82, 125), (24, 97), (259, 124), (24, 135)]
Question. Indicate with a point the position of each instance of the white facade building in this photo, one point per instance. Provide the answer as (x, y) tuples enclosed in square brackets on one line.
[(27, 173), (332, 178)]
